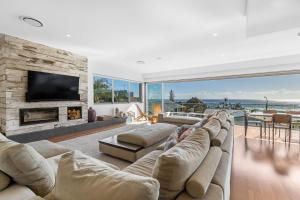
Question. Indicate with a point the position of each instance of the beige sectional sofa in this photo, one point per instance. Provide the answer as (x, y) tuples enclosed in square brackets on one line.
[(197, 168)]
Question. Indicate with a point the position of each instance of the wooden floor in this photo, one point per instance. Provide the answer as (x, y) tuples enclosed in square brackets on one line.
[(262, 170), (83, 133)]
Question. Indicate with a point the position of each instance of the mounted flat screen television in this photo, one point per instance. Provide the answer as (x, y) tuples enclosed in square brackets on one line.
[(52, 87)]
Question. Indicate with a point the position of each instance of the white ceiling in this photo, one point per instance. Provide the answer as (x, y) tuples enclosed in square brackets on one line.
[(165, 34)]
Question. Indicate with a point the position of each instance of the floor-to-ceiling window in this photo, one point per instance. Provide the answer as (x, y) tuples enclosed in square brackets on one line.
[(281, 93), (154, 98)]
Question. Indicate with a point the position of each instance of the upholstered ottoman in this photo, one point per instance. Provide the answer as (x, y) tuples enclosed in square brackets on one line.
[(134, 144)]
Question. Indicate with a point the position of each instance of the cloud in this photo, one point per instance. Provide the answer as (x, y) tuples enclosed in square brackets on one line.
[(280, 94)]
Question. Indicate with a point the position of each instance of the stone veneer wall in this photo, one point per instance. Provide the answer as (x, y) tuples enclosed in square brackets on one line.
[(17, 56)]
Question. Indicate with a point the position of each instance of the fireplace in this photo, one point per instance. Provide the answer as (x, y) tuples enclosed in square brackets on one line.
[(74, 113), (30, 116)]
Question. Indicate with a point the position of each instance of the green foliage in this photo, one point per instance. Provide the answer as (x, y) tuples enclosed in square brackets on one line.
[(102, 90), (195, 105)]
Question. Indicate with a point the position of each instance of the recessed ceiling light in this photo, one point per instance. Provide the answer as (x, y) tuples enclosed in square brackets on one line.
[(69, 35), (31, 21), (158, 58), (140, 62), (298, 34), (215, 34), (222, 54)]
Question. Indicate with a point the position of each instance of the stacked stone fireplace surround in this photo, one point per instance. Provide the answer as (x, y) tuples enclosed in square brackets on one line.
[(17, 57)]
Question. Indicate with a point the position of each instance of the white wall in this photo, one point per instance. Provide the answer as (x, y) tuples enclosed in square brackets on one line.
[(109, 70)]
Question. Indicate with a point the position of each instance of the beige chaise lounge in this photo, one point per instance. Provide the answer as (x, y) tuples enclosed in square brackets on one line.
[(134, 144)]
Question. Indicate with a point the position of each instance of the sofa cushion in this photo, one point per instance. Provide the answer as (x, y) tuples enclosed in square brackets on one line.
[(226, 125), (4, 181), (144, 166), (17, 192), (174, 167), (214, 192), (220, 138), (48, 149), (148, 135), (213, 127), (222, 175), (199, 182), (227, 145), (80, 177), (27, 167)]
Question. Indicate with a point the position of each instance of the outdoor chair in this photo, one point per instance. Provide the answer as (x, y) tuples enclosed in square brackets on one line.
[(252, 122), (268, 120), (282, 121)]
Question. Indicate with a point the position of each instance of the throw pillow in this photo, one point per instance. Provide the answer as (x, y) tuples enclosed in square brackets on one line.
[(80, 177), (171, 141), (202, 122), (186, 133), (4, 181), (27, 167), (182, 129), (174, 167)]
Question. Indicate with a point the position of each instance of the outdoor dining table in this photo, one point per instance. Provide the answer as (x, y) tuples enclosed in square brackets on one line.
[(268, 116), (267, 119)]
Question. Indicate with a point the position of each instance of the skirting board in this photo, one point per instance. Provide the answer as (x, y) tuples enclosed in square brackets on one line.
[(46, 134)]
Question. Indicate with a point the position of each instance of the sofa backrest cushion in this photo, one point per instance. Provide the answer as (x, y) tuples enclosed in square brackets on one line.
[(213, 127), (226, 125), (199, 182), (4, 181), (220, 138), (80, 177), (27, 167), (174, 167)]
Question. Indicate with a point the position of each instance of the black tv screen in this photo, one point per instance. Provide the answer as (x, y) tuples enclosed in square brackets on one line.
[(51, 87)]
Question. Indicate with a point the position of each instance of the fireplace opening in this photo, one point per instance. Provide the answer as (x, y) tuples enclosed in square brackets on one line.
[(74, 113), (30, 116)]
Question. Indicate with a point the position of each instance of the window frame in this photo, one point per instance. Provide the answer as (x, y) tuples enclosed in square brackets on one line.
[(113, 90)]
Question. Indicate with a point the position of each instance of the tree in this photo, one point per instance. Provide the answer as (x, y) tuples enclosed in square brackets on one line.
[(172, 96), (195, 105)]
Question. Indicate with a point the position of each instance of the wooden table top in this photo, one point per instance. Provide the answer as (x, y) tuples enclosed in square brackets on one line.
[(113, 141)]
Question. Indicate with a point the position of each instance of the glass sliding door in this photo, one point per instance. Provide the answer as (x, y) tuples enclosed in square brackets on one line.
[(154, 98)]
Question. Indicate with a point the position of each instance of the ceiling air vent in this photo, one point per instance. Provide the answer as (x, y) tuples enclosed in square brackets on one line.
[(31, 21)]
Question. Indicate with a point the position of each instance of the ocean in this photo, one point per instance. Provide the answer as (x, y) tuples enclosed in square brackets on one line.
[(248, 104)]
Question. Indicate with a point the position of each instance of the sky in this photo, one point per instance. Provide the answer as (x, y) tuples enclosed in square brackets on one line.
[(279, 88)]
